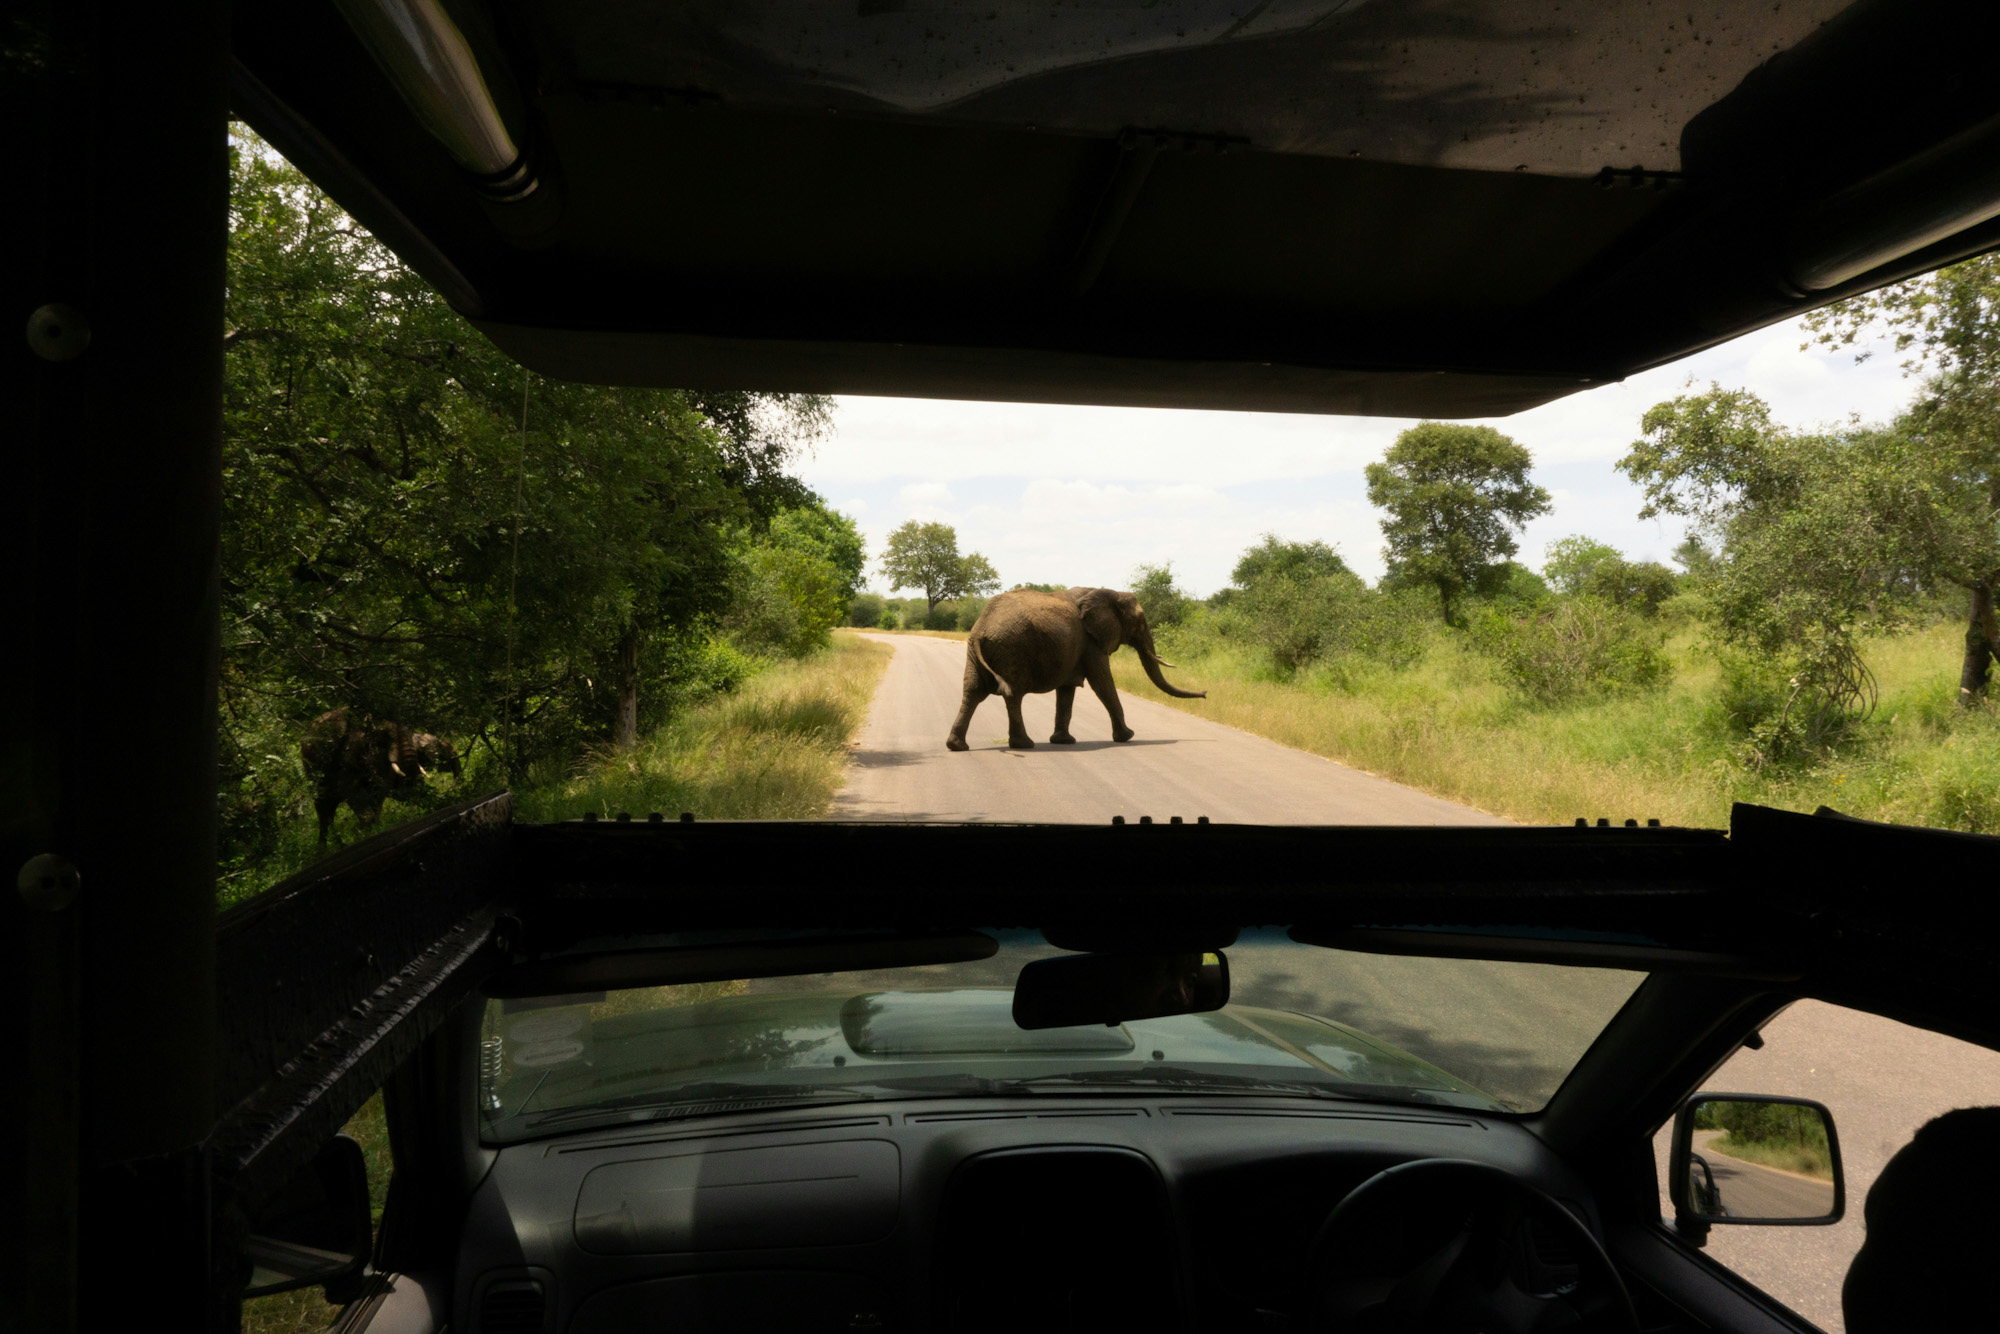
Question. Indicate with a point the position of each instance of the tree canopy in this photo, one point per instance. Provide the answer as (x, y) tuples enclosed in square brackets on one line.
[(417, 528), (926, 556), (1166, 603), (1275, 557), (1452, 494), (1822, 536), (1947, 325)]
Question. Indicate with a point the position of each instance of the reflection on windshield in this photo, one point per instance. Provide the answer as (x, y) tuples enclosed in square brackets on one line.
[(1303, 1022)]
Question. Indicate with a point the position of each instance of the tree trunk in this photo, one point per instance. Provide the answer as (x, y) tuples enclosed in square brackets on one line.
[(1982, 642), (625, 734)]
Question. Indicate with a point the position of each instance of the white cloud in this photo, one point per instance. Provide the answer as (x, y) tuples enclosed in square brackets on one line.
[(1051, 492)]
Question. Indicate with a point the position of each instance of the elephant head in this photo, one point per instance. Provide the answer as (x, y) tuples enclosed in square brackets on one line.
[(1112, 618), (428, 754)]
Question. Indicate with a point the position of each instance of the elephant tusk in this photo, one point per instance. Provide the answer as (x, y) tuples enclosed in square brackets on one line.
[(1164, 663)]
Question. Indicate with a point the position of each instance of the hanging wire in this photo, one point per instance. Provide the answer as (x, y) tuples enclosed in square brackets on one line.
[(514, 574)]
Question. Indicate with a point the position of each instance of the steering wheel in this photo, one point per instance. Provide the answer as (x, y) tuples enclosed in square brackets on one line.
[(1446, 1246)]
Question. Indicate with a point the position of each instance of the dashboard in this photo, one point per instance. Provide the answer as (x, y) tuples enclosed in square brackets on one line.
[(960, 1215)]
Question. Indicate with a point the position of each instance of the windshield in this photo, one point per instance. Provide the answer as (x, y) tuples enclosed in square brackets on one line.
[(1302, 1021)]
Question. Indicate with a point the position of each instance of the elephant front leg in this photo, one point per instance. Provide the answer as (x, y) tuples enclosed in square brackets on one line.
[(1065, 701), (1098, 671), (1017, 731), (956, 741)]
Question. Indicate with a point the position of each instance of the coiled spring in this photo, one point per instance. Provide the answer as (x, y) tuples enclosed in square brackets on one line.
[(492, 1059)]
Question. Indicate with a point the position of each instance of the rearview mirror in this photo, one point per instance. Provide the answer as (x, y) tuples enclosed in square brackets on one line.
[(317, 1230), (1079, 989), (1742, 1158)]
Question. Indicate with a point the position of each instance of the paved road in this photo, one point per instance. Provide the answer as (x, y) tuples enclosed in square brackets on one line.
[(1178, 765)]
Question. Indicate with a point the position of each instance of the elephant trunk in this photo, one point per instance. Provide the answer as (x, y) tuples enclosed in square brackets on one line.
[(1151, 661)]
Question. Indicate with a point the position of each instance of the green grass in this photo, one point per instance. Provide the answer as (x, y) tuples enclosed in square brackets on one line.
[(1805, 1159), (774, 749), (1448, 726)]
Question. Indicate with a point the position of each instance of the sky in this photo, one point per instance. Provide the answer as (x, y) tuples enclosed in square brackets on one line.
[(1082, 495)]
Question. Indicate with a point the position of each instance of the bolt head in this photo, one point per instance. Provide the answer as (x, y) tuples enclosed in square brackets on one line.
[(48, 882), (58, 332)]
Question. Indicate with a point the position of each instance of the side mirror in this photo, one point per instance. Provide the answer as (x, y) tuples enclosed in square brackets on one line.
[(317, 1229), (1078, 989), (1743, 1158)]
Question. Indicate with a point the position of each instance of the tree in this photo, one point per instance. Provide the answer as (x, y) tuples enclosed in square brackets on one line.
[(925, 556), (1275, 556), (1821, 538), (1582, 566), (1165, 602), (1948, 322), (1452, 493), (827, 533), (1573, 563), (407, 535)]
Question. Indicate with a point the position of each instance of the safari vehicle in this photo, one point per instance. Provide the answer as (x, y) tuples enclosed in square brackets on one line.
[(651, 1073)]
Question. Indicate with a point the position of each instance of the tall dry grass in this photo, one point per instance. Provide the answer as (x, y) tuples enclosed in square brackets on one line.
[(775, 749), (1448, 726)]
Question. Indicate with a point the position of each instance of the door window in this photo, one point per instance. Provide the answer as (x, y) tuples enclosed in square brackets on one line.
[(1881, 1080)]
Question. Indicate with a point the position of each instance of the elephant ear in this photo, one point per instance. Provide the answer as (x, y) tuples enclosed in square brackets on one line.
[(1100, 619)]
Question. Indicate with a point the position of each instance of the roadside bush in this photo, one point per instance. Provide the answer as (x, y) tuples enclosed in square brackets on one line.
[(1514, 584), (1317, 619), (1164, 601), (944, 616), (865, 609), (968, 611), (891, 619), (784, 601), (1582, 648)]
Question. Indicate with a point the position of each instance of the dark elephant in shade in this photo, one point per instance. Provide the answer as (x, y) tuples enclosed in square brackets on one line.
[(363, 761), (1026, 643)]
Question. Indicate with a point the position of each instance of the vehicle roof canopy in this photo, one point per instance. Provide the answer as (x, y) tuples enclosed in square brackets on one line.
[(1434, 207)]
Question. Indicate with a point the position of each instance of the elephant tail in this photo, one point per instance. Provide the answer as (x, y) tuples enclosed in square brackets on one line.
[(1006, 691)]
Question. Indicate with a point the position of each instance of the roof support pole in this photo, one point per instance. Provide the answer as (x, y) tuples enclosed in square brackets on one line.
[(109, 531)]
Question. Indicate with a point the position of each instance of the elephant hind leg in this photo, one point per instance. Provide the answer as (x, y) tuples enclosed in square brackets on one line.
[(973, 698), (1065, 701), (1017, 731)]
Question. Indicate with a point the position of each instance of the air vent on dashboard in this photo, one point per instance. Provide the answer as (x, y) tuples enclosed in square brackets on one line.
[(513, 1306)]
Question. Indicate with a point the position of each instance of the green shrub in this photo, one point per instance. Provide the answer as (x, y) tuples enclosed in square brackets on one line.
[(944, 616), (865, 609), (1582, 648), (1164, 601), (968, 611), (891, 619), (1317, 619), (1513, 584)]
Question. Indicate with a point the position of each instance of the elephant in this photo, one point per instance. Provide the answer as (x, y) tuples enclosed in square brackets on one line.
[(363, 761), (1027, 642)]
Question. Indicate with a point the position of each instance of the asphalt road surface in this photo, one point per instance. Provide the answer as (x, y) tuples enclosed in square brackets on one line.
[(1177, 765)]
